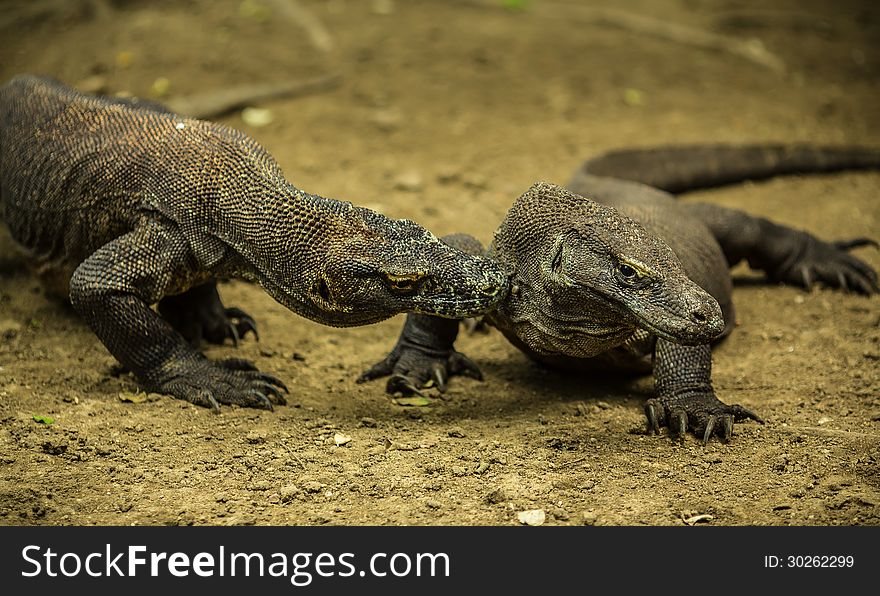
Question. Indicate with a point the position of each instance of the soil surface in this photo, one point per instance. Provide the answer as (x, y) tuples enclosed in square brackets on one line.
[(447, 111)]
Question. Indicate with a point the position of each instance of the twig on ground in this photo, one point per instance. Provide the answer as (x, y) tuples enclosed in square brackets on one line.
[(216, 103), (751, 50)]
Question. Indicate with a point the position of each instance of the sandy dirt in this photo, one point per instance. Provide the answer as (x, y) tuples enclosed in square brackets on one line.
[(447, 112)]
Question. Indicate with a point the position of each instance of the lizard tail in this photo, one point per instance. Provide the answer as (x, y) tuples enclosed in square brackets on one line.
[(681, 168)]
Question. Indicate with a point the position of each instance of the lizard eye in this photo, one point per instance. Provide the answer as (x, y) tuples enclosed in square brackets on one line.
[(627, 272), (630, 275), (403, 285)]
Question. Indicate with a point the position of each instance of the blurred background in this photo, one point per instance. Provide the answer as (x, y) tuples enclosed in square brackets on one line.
[(445, 111)]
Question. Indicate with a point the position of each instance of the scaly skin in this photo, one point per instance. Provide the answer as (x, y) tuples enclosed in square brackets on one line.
[(125, 204), (616, 282)]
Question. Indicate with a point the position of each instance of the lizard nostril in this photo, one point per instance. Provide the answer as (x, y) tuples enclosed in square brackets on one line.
[(699, 317)]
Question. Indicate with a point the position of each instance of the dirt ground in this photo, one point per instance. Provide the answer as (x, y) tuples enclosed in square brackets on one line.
[(447, 111)]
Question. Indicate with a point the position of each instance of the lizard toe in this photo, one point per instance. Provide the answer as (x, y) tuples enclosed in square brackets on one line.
[(678, 424), (654, 417), (242, 323), (403, 385)]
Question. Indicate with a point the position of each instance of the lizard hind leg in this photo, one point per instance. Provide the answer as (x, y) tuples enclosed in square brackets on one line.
[(198, 314)]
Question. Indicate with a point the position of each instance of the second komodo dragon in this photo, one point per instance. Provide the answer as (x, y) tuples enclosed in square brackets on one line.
[(126, 205), (594, 287)]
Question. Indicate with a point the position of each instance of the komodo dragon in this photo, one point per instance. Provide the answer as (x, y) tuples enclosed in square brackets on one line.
[(126, 205), (592, 289)]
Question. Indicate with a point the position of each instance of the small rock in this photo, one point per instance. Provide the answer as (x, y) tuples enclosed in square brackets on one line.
[(532, 517), (781, 507), (496, 496), (255, 437), (589, 518), (340, 439), (386, 120), (368, 422), (824, 420), (448, 175), (431, 503), (313, 487), (54, 446), (9, 328), (257, 117), (260, 486), (455, 433), (482, 467), (288, 493), (409, 181)]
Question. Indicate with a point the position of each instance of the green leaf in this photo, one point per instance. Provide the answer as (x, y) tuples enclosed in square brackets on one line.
[(415, 400), (43, 419), (514, 4), (132, 398)]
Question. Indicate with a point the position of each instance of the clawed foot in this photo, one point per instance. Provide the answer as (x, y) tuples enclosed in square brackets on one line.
[(412, 369), (198, 314), (831, 264), (697, 411), (210, 383)]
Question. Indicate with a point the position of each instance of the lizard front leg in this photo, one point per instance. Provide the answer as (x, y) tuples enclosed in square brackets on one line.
[(113, 290), (198, 314), (424, 353), (685, 397)]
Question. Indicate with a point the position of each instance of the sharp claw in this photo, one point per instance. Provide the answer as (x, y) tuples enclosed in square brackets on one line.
[(212, 403), (461, 364), (439, 376), (651, 414), (726, 427), (262, 400), (247, 325), (399, 383), (678, 424), (710, 426), (232, 333), (380, 369), (273, 392), (841, 280), (273, 380), (806, 278)]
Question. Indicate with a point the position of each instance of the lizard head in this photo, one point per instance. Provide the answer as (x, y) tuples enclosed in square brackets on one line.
[(387, 266), (370, 267), (584, 277)]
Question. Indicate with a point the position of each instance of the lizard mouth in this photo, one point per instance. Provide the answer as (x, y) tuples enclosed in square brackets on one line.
[(685, 331), (455, 307)]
